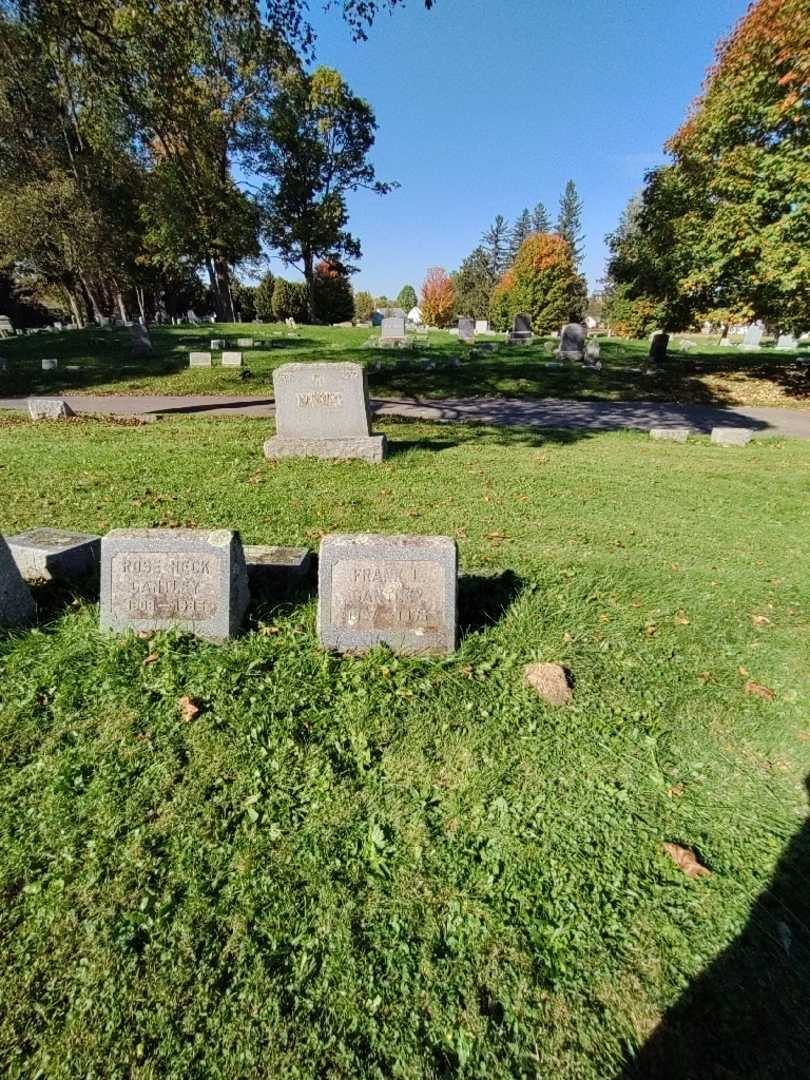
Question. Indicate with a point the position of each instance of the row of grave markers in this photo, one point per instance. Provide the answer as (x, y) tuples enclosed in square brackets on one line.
[(399, 590)]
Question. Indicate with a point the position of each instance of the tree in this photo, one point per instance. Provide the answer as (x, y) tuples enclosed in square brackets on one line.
[(569, 221), (473, 284), (313, 148), (407, 297), (264, 298), (541, 222), (495, 242), (437, 298), (545, 283), (500, 304), (283, 299), (244, 300), (519, 232), (363, 306), (333, 293)]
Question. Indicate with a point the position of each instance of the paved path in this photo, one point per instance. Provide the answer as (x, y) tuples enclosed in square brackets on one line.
[(541, 412)]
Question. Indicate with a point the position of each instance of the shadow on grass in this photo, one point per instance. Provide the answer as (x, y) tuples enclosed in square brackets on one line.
[(747, 1017), (483, 599)]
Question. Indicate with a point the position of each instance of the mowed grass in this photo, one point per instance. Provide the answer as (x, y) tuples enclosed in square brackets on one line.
[(102, 364), (386, 867)]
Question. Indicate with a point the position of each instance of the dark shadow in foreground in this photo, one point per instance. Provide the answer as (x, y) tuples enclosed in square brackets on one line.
[(747, 1017), (484, 598)]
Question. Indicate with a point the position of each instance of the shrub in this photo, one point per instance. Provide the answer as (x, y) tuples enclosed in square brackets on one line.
[(263, 299)]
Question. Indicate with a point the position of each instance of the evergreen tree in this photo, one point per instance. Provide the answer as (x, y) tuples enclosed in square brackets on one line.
[(363, 306), (407, 298), (520, 230), (495, 242), (282, 302), (569, 221), (541, 222), (473, 285), (263, 300), (334, 299)]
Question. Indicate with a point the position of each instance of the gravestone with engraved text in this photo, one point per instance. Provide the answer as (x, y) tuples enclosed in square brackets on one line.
[(397, 590), (466, 330), (153, 579)]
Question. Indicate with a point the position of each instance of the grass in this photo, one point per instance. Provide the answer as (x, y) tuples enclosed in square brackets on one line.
[(386, 867), (706, 374)]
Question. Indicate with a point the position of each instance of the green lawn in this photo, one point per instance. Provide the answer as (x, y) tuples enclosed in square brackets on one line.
[(384, 867), (706, 374)]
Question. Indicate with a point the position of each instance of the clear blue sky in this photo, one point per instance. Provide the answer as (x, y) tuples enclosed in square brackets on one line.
[(487, 106)]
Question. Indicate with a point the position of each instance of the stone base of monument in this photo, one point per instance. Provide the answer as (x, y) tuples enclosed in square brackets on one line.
[(520, 337), (370, 448), (16, 603), (46, 554), (272, 570)]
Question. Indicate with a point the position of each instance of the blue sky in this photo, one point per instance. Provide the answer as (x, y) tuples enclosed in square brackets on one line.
[(487, 106)]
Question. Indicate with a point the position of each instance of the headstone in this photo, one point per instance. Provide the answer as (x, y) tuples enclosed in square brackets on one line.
[(731, 436), (322, 411), (199, 359), (245, 342), (787, 341), (659, 343), (217, 344), (393, 329), (275, 569), (482, 326), (291, 323), (231, 359), (725, 341), (55, 554), (192, 318), (673, 434), (49, 409), (153, 579), (16, 602), (592, 351), (572, 342), (141, 342), (706, 329), (400, 590), (50, 363), (753, 336), (466, 330), (521, 330)]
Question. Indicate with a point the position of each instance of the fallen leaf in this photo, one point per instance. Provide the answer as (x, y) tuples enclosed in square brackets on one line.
[(685, 859), (675, 790), (268, 631), (151, 658), (604, 618), (651, 630), (497, 536), (760, 620), (743, 671), (705, 677), (188, 708), (804, 736), (681, 619), (144, 635), (567, 636), (756, 688)]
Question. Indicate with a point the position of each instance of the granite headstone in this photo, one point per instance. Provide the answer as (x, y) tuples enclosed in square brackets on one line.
[(659, 344), (49, 409), (466, 330), (16, 602), (55, 554), (572, 342)]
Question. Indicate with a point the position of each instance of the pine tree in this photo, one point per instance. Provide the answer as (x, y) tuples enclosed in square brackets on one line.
[(520, 230), (569, 221), (496, 245), (473, 285), (407, 298), (541, 222)]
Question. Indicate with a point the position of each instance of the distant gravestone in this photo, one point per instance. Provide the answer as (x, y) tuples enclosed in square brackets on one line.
[(674, 434), (50, 363), (393, 329), (658, 348), (322, 411), (231, 359), (592, 351), (16, 602), (55, 554), (481, 326), (787, 341), (572, 342), (49, 409), (153, 579), (141, 341), (466, 330), (217, 344), (731, 436), (275, 569), (199, 359), (400, 590), (245, 342), (753, 336), (521, 333)]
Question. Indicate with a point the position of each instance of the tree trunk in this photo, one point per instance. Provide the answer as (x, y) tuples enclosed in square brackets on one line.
[(78, 321), (141, 308), (225, 309), (120, 301), (309, 277), (92, 297)]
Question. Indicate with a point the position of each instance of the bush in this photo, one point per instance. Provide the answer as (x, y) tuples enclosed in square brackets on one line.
[(363, 306), (244, 300), (290, 300), (632, 317)]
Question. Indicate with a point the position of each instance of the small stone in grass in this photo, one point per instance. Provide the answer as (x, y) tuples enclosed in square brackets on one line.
[(550, 681)]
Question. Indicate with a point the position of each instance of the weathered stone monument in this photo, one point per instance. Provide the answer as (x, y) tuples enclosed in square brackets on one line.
[(393, 329), (141, 341), (55, 554), (521, 333), (481, 326), (153, 579), (322, 411), (199, 359), (572, 342), (231, 359), (217, 344), (16, 602), (400, 590), (786, 341), (753, 336), (466, 330), (659, 343), (49, 409), (731, 436)]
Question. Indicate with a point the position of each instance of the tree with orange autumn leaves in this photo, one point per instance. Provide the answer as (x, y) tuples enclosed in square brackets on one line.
[(438, 298), (725, 229), (542, 282)]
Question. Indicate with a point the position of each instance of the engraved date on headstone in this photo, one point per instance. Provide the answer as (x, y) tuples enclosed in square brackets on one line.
[(163, 585), (391, 595)]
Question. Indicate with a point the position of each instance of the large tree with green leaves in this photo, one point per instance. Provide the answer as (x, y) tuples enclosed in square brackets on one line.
[(473, 284), (569, 221), (407, 298)]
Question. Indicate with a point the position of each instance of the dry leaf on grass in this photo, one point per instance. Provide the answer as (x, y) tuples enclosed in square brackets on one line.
[(685, 859), (675, 790), (651, 630), (188, 708), (681, 619), (151, 658), (756, 688), (743, 671), (760, 620)]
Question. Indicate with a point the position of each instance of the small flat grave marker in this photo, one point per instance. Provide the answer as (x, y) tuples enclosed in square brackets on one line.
[(673, 434), (397, 590), (153, 579), (732, 436), (16, 602), (49, 409), (231, 359), (50, 363), (199, 359), (245, 342), (55, 554)]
